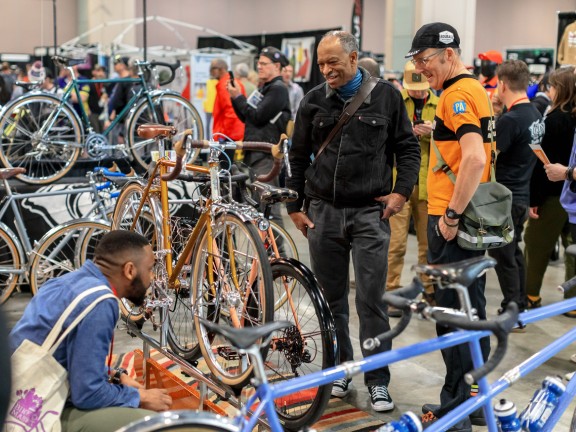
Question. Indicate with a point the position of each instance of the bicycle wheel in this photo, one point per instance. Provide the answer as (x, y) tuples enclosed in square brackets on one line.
[(232, 285), (279, 244), (9, 261), (282, 241), (307, 346), (168, 108), (39, 135), (123, 216), (183, 421), (182, 336), (56, 253)]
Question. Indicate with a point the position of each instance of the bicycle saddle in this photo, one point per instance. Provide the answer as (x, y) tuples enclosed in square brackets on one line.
[(462, 272), (6, 173), (152, 131), (271, 194), (245, 337)]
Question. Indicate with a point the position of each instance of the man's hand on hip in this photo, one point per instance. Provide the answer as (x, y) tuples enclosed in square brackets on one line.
[(302, 222), (394, 204)]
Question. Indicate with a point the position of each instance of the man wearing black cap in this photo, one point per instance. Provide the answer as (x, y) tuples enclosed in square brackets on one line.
[(464, 126), (349, 190), (266, 112)]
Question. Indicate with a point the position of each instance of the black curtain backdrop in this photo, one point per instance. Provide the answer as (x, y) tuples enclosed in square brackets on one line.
[(274, 39)]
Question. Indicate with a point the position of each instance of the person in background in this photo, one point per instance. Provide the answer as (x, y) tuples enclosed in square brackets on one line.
[(241, 72), (548, 219), (462, 134), (350, 197), (520, 126), (8, 76), (542, 98), (265, 113), (96, 98), (208, 103), (421, 105), (100, 400), (295, 92), (5, 92), (489, 61), (371, 66), (226, 124)]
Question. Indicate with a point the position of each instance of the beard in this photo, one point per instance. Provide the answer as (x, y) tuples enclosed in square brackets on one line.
[(138, 292)]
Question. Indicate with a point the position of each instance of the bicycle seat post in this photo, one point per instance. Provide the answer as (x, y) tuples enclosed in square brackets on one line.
[(465, 303)]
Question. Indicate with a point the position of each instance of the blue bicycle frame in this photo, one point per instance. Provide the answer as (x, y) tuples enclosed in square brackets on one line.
[(266, 393)]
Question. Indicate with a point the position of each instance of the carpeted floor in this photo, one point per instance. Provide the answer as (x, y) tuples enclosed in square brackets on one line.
[(338, 415)]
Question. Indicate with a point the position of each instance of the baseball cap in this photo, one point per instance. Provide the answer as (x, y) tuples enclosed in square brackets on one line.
[(275, 55), (413, 80), (434, 35), (492, 55), (121, 59), (37, 72)]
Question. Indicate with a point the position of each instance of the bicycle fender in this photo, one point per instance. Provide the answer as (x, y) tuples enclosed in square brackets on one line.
[(15, 239)]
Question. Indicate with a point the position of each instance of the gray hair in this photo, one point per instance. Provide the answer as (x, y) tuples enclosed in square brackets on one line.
[(220, 63), (242, 70), (346, 39)]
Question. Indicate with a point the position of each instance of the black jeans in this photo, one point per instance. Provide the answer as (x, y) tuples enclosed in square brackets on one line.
[(457, 359), (337, 232), (511, 266)]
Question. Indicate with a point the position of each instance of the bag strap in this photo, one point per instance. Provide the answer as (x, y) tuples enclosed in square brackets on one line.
[(52, 337), (442, 165), (349, 110)]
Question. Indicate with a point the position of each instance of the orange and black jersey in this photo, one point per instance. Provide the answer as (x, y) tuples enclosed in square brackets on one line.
[(463, 108)]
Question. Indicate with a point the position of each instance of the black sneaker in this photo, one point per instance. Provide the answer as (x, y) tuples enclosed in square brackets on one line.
[(341, 387), (380, 398), (476, 418)]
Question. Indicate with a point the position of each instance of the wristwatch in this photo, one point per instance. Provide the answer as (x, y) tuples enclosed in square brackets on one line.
[(115, 378), (451, 214)]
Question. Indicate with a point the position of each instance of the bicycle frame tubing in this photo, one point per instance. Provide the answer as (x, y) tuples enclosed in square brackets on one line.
[(10, 201), (266, 392), (73, 86)]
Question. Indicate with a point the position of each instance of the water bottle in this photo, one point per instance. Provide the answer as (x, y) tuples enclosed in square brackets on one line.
[(408, 422), (542, 404), (507, 416)]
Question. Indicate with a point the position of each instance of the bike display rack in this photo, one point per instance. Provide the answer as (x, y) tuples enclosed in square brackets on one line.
[(205, 381)]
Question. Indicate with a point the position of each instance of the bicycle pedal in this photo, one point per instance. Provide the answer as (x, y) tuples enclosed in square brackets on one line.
[(228, 353)]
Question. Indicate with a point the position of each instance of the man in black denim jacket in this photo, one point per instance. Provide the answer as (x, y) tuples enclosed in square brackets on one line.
[(350, 193)]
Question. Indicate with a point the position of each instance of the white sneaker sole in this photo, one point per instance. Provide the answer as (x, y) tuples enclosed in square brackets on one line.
[(339, 393), (382, 407)]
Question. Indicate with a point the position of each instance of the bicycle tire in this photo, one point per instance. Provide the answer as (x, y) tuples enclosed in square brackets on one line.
[(286, 247), (10, 260), (47, 156), (284, 242), (251, 298), (124, 211), (308, 346), (56, 253), (169, 108), (183, 421)]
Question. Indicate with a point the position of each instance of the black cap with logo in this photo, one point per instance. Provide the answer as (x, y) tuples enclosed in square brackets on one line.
[(434, 35), (275, 55)]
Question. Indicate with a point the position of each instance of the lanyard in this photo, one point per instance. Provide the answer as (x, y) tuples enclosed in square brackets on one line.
[(516, 101)]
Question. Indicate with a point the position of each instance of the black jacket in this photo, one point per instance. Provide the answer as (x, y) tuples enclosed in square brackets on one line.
[(356, 166), (275, 100)]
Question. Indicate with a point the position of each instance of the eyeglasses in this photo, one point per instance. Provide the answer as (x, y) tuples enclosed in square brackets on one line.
[(424, 60), (264, 63)]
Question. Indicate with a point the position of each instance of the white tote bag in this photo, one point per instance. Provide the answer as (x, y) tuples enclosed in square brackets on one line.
[(39, 383)]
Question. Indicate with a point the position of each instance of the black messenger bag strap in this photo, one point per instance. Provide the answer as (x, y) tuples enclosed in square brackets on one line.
[(349, 111)]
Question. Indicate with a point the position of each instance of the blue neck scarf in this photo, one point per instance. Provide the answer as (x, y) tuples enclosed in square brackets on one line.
[(351, 87)]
